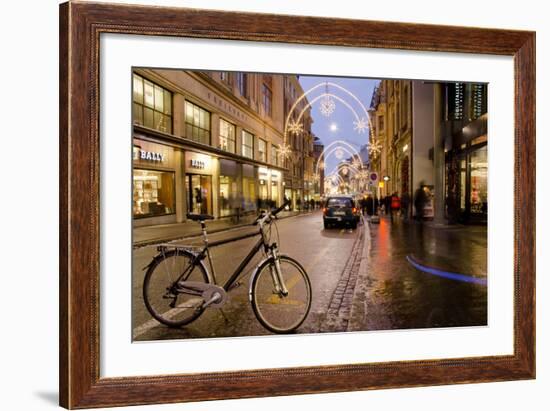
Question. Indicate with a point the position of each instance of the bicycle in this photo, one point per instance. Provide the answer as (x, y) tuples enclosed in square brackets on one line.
[(178, 287)]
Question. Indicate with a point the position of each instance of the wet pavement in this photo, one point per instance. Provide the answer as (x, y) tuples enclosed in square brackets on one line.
[(399, 296), (323, 253), (361, 279)]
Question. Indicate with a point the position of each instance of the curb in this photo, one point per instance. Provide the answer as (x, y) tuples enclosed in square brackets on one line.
[(358, 311)]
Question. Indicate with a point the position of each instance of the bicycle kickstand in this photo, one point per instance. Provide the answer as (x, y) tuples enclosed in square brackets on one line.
[(224, 316)]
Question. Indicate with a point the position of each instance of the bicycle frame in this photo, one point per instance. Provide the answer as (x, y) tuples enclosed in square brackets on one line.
[(205, 254)]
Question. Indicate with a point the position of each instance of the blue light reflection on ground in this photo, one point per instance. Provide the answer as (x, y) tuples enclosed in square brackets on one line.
[(446, 274)]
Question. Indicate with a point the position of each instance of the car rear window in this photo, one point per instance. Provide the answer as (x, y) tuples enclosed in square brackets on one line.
[(340, 202)]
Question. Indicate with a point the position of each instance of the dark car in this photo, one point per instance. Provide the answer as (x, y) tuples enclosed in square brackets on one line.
[(340, 210)]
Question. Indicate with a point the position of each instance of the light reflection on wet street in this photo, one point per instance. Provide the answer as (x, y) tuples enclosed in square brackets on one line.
[(361, 279), (401, 297)]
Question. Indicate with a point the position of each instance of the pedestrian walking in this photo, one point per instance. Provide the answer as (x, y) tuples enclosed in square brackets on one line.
[(388, 204), (405, 200), (369, 205), (395, 205), (420, 199)]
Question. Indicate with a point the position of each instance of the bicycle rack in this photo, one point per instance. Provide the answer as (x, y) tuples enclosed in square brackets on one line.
[(186, 247)]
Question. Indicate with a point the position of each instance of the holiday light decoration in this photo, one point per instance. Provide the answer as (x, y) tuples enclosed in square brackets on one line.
[(375, 148), (360, 125), (285, 151), (295, 127), (327, 106), (357, 163), (332, 148)]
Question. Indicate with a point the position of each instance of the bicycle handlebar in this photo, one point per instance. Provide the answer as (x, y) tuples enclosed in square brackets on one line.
[(273, 213), (281, 208)]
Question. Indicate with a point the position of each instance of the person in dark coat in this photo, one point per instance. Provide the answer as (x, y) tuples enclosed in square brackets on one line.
[(369, 205), (420, 199), (405, 200)]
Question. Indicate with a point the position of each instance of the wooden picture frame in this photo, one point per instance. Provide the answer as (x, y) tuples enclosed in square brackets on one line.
[(80, 27)]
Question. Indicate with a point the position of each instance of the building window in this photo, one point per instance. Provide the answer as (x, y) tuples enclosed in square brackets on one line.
[(227, 136), (153, 193), (228, 189), (197, 123), (267, 98), (262, 150), (274, 155), (241, 83), (152, 105), (224, 76), (248, 144)]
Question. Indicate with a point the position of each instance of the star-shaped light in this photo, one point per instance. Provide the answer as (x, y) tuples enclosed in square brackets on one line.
[(360, 125), (374, 148), (327, 106), (339, 153), (285, 151), (295, 127)]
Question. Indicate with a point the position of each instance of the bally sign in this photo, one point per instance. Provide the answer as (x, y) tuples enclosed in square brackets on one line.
[(151, 156), (198, 164)]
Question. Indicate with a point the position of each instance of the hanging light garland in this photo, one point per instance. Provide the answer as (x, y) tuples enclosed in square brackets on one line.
[(328, 105)]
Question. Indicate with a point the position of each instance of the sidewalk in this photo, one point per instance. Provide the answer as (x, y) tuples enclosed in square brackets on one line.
[(149, 235), (392, 293)]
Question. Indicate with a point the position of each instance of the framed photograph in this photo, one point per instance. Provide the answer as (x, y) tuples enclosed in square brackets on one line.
[(257, 205)]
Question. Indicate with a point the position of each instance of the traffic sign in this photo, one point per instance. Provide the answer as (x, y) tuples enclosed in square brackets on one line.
[(373, 176)]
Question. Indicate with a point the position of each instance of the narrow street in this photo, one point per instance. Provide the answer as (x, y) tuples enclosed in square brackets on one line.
[(323, 253), (361, 279)]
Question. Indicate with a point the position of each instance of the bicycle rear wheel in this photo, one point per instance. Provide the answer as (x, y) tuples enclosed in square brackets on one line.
[(276, 312), (160, 294)]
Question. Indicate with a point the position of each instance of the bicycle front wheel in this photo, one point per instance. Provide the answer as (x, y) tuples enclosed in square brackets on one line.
[(161, 295), (277, 312)]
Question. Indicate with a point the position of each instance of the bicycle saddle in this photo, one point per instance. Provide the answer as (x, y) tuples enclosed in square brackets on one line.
[(199, 217)]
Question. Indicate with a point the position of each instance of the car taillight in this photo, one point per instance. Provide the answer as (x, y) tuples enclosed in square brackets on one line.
[(324, 210), (354, 210)]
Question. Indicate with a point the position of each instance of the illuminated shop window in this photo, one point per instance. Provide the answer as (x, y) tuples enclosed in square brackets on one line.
[(153, 193)]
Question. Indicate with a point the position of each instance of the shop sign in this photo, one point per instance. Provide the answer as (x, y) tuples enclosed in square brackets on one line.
[(151, 156), (199, 164)]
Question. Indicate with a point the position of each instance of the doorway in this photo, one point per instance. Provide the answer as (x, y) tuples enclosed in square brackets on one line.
[(199, 194)]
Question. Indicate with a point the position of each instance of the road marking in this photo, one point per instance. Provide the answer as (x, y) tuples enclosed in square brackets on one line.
[(275, 299), (146, 326)]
